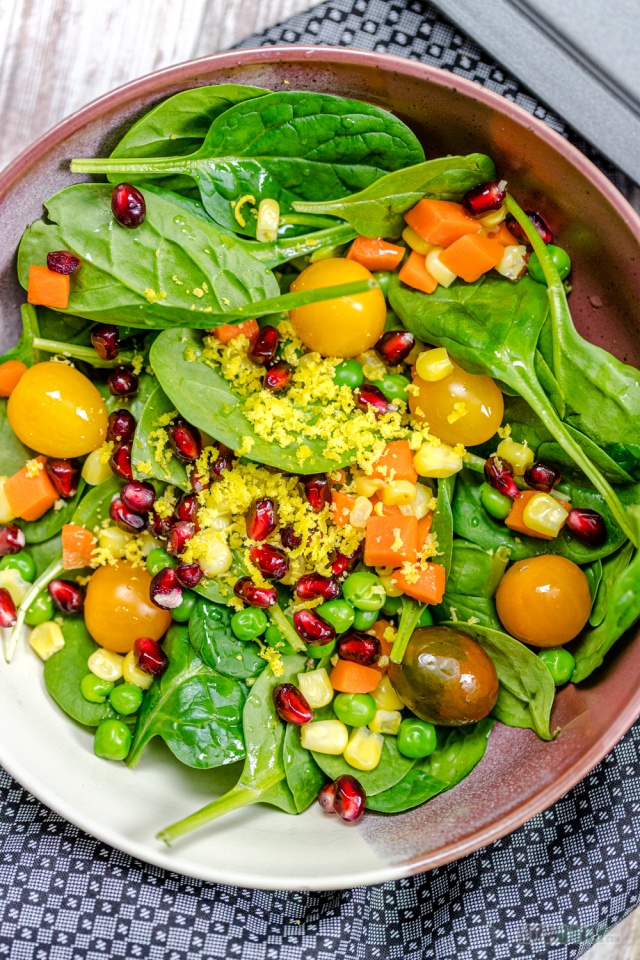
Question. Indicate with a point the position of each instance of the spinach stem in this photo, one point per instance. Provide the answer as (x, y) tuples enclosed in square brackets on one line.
[(496, 572), (79, 353), (156, 166), (49, 574), (285, 628), (307, 219), (411, 613), (281, 251)]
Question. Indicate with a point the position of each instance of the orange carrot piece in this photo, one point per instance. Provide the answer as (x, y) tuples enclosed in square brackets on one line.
[(515, 520), (396, 463), (47, 288), (78, 545), (504, 236), (341, 506), (30, 497), (338, 478), (10, 373), (424, 529), (415, 274), (229, 331), (428, 588), (375, 254), (383, 510), (441, 221), (348, 677), (470, 257), (390, 541), (378, 630)]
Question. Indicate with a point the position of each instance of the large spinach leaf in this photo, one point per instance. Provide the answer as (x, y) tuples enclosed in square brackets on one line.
[(465, 596), (214, 641), (393, 767), (442, 527), (304, 776), (63, 673), (144, 453)]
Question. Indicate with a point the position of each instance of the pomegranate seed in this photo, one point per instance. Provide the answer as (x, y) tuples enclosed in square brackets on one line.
[(128, 205), (343, 563), (187, 508), (138, 496), (369, 397), (538, 222), (125, 518), (261, 519), (317, 490), (587, 525), (485, 197), (64, 475), (8, 612), (189, 574), (291, 704), (185, 440), (12, 539), (159, 527), (122, 383), (310, 626), (224, 461), (106, 341), (326, 798), (149, 656), (278, 376), (498, 473), (349, 798), (255, 596), (67, 596), (270, 561), (165, 590), (542, 476), (395, 346), (121, 426), (264, 348), (181, 533), (63, 261), (313, 585), (289, 538), (358, 647), (120, 460)]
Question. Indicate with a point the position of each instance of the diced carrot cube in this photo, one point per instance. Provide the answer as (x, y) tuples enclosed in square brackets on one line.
[(395, 463), (30, 495), (10, 373), (504, 236), (47, 288), (341, 506), (382, 510), (350, 677), (378, 630), (415, 274), (375, 253), (441, 221), (78, 545), (229, 331), (428, 588), (424, 529), (515, 519), (390, 541), (470, 257)]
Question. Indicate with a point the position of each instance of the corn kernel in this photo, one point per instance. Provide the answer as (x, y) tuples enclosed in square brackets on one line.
[(364, 749), (367, 486), (398, 493), (133, 674), (105, 664), (18, 587), (438, 271), (362, 510), (147, 543), (494, 218), (385, 696), (94, 471), (46, 639), (6, 513), (325, 736), (420, 506), (386, 721), (210, 549), (268, 221), (434, 365), (437, 460), (544, 515), (415, 241), (514, 261), (115, 541), (519, 455), (390, 588), (316, 687)]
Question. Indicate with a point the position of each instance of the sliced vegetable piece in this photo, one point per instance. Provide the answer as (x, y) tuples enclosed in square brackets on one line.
[(390, 541), (350, 677), (470, 257), (375, 253), (229, 331), (415, 274), (29, 491), (429, 586), (441, 221), (395, 463), (10, 373), (78, 545), (342, 505), (48, 289), (515, 520)]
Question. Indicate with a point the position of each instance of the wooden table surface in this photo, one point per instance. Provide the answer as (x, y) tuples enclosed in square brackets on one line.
[(57, 55)]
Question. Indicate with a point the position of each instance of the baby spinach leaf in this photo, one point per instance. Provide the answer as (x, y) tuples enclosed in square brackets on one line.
[(512, 711), (63, 673), (378, 210), (143, 454), (304, 776), (94, 507), (464, 595), (612, 568), (593, 573), (52, 522), (13, 453), (24, 350), (284, 146), (458, 752), (46, 553), (442, 527), (213, 640), (392, 768), (195, 710)]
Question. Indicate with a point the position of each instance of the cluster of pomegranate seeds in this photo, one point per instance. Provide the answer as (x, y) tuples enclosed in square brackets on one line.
[(395, 346), (537, 220), (125, 518), (64, 475), (312, 628), (181, 532), (542, 476), (587, 525), (12, 539), (123, 383), (63, 261), (485, 197), (185, 440), (8, 612), (270, 561), (313, 585), (128, 205), (289, 538), (224, 461), (149, 656), (317, 490), (138, 496), (345, 797), (121, 426), (120, 460), (359, 647), (264, 348), (291, 704), (255, 596), (189, 574), (343, 563), (369, 397), (278, 376), (498, 473), (165, 590), (67, 596), (261, 519), (105, 340)]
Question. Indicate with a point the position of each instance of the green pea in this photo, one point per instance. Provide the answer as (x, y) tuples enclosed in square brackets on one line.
[(126, 698), (112, 740), (559, 256), (182, 613), (364, 591), (394, 387), (425, 619), (560, 664), (95, 689), (349, 373), (40, 610), (338, 613), (383, 277), (274, 638), (494, 502), (392, 606), (317, 652), (365, 619), (355, 709), (158, 559), (250, 623), (23, 562), (416, 738)]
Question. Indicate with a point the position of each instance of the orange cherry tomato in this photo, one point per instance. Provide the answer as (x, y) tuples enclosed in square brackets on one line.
[(461, 408), (117, 608)]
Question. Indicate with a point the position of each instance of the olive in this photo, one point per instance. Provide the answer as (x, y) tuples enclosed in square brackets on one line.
[(445, 677)]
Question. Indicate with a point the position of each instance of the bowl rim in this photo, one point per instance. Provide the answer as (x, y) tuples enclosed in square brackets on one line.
[(153, 82)]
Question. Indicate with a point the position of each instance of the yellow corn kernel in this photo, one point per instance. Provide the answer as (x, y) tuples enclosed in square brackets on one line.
[(544, 515), (390, 588), (438, 271), (147, 543), (415, 241), (268, 221), (420, 506), (386, 721), (362, 510), (46, 639), (132, 673), (494, 218), (367, 486), (519, 455), (6, 513), (210, 549), (514, 261), (325, 736), (385, 696), (94, 470), (398, 493), (434, 364), (18, 587), (316, 687), (437, 460), (115, 541), (105, 664), (364, 749)]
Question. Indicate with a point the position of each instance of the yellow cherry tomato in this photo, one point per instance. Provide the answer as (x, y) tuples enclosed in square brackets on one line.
[(117, 608), (343, 327), (544, 601), (57, 411), (461, 408)]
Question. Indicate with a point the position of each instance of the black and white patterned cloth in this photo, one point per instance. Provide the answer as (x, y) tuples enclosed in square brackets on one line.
[(546, 892)]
